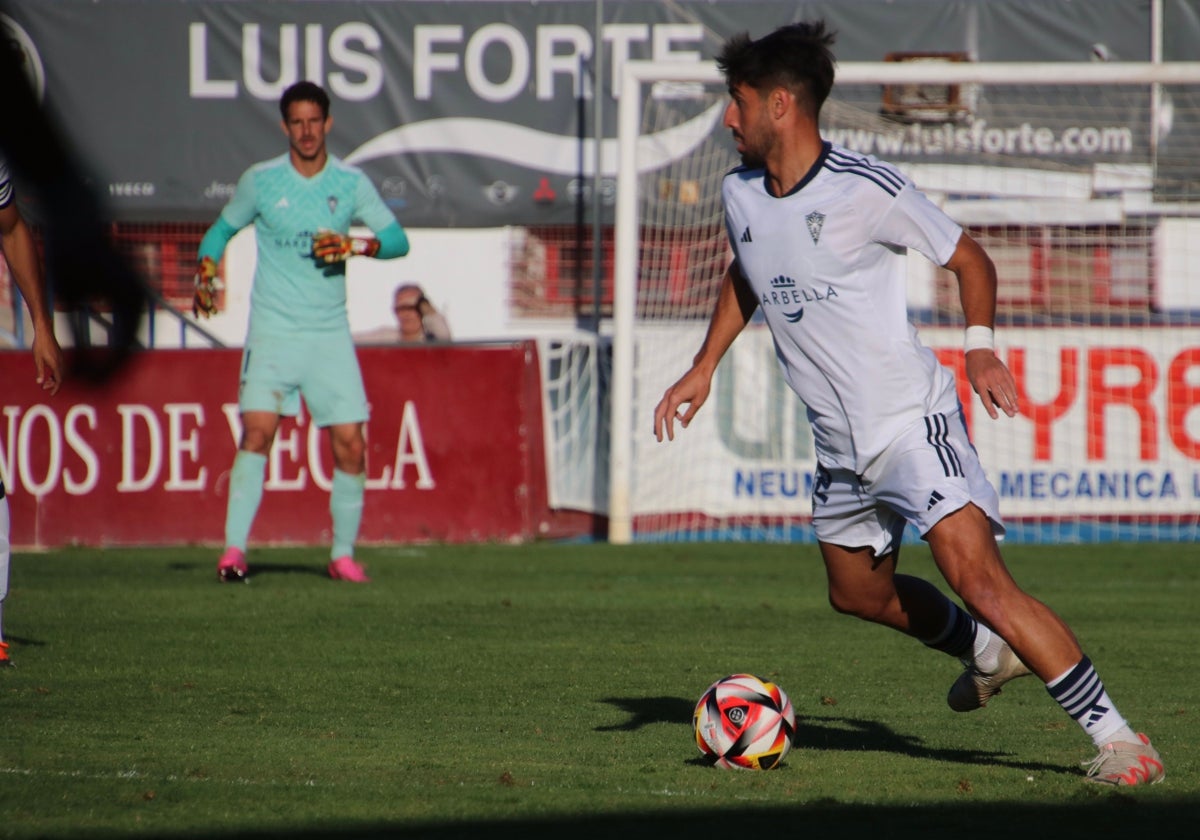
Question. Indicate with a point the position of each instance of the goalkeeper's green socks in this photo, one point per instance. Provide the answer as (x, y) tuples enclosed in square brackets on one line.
[(346, 506), (246, 490), (245, 494)]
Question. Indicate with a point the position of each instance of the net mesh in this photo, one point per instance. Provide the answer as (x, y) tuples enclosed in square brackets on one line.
[(1084, 196)]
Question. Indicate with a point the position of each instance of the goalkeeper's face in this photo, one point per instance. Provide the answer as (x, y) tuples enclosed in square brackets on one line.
[(306, 127)]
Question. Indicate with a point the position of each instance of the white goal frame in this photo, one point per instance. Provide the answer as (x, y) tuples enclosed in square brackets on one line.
[(636, 74)]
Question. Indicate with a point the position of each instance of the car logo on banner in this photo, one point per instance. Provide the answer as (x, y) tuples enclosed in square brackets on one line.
[(500, 193)]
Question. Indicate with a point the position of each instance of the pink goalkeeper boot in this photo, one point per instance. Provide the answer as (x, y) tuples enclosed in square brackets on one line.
[(344, 568), (232, 566)]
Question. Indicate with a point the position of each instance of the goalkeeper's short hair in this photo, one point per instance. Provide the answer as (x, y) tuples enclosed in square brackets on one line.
[(304, 92)]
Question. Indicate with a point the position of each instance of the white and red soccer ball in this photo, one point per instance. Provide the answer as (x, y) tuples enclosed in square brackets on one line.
[(744, 722)]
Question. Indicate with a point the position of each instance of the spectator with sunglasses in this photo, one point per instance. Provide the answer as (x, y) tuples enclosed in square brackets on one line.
[(417, 320)]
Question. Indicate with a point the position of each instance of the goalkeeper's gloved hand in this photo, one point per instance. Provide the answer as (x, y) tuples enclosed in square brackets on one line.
[(204, 301), (329, 246)]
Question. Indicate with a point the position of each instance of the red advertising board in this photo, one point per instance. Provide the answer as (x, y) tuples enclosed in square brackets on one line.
[(455, 452)]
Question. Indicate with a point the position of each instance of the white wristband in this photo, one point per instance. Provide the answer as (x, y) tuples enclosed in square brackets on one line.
[(979, 338)]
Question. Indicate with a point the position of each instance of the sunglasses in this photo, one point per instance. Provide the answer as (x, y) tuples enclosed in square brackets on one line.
[(410, 307)]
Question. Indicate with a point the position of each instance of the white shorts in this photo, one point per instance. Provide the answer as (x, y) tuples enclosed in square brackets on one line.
[(927, 473)]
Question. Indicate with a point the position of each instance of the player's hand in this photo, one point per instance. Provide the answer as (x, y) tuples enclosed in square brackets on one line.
[(692, 389), (329, 246), (204, 301), (993, 382), (48, 359)]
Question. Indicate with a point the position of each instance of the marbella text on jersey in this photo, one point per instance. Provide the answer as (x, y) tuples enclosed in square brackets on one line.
[(784, 292)]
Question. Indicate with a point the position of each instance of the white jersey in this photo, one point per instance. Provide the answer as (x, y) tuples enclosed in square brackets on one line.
[(6, 190), (827, 262)]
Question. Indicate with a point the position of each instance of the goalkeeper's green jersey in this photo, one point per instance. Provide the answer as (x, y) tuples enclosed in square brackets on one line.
[(292, 292)]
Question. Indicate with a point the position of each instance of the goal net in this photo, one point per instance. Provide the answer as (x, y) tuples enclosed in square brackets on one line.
[(1080, 180)]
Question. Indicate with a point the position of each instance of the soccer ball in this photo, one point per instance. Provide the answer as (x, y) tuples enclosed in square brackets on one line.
[(744, 722)]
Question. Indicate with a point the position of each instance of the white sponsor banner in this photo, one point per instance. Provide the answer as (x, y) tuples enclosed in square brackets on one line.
[(1110, 425)]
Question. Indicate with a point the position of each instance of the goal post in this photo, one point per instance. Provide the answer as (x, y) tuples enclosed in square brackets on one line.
[(625, 273), (1081, 181)]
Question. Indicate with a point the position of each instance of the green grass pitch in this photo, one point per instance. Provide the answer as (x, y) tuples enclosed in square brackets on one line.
[(546, 691)]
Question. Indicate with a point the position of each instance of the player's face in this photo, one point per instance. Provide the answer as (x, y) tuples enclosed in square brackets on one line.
[(306, 128), (746, 116)]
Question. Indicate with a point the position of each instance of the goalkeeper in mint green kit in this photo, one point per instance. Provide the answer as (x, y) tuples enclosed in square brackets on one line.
[(302, 205)]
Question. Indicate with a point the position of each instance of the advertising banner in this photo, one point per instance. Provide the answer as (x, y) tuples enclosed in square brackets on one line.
[(479, 114), (1109, 426), (454, 452)]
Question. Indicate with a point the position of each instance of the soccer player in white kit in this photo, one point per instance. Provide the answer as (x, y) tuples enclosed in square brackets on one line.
[(20, 253), (819, 235)]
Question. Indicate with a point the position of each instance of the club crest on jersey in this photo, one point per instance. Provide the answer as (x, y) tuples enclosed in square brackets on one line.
[(333, 203), (816, 221)]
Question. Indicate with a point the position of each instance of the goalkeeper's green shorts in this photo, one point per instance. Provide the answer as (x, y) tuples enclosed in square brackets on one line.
[(323, 368)]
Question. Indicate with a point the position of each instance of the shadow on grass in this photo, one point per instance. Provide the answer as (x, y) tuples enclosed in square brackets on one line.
[(256, 569), (825, 733), (646, 710), (1108, 814), (24, 641)]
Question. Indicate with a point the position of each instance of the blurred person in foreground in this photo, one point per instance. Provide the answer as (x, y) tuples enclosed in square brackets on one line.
[(20, 254), (84, 267), (819, 235), (302, 205)]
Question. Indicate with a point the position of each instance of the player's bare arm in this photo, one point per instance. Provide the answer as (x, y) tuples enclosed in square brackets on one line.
[(735, 304), (20, 252), (989, 377)]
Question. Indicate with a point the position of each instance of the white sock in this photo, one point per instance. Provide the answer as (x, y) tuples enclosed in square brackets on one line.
[(1124, 735), (987, 648), (1081, 693)]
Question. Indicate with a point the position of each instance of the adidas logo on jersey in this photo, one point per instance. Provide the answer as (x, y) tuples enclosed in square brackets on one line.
[(281, 204), (746, 237), (934, 498)]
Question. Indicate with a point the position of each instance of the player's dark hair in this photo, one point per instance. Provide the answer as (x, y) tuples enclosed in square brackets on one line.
[(797, 57), (304, 92)]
